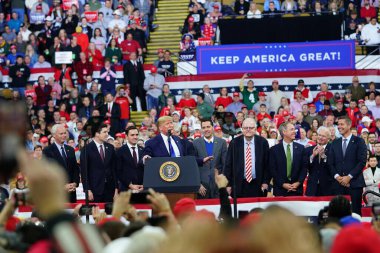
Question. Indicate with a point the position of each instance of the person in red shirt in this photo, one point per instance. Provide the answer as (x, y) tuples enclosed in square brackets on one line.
[(223, 99), (351, 112), (325, 91), (83, 68), (187, 100), (42, 91), (63, 73), (305, 91), (82, 38), (94, 56), (128, 46), (367, 11), (123, 99)]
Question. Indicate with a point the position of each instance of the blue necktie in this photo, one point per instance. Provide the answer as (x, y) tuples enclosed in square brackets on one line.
[(171, 150)]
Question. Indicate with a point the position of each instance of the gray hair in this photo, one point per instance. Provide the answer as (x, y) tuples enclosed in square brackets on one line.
[(323, 128), (252, 120), (186, 91), (283, 127), (55, 128)]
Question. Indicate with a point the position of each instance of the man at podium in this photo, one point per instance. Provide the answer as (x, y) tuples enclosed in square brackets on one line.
[(167, 145)]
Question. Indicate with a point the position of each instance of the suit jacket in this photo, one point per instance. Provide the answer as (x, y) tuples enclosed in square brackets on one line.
[(372, 183), (132, 76), (277, 164), (115, 116), (319, 172), (126, 170), (209, 100), (352, 163), (235, 157), (155, 147), (207, 170), (70, 166), (82, 112), (97, 171)]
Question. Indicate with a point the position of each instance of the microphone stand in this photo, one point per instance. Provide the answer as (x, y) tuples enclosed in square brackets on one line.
[(87, 202), (234, 197)]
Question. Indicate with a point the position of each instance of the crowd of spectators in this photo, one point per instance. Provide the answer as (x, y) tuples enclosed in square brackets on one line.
[(360, 18)]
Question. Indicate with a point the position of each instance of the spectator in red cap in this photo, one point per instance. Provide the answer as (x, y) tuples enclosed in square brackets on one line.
[(183, 208), (305, 91), (313, 115), (250, 95), (191, 28), (339, 111), (160, 57), (262, 100), (124, 100), (324, 90), (319, 105), (236, 105), (153, 84)]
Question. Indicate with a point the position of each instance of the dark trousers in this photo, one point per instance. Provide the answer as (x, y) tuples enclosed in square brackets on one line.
[(73, 197), (139, 92), (355, 194), (107, 195), (249, 190)]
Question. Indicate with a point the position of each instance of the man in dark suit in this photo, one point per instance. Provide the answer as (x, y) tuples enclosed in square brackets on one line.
[(288, 163), (134, 77), (216, 148), (86, 110), (247, 161), (347, 158), (320, 180), (98, 167), (111, 110), (64, 155), (129, 168)]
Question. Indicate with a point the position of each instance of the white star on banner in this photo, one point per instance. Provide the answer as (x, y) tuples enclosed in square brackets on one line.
[(96, 81), (254, 88), (362, 85), (211, 91), (116, 80), (265, 89), (340, 86), (286, 88), (330, 87), (179, 92), (308, 87), (318, 87), (232, 89), (200, 91)]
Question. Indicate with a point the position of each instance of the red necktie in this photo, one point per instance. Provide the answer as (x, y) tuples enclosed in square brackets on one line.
[(248, 163)]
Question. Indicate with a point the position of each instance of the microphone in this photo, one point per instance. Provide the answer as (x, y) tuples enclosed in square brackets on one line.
[(169, 133)]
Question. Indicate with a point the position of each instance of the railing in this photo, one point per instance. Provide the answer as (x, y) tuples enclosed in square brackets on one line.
[(369, 192)]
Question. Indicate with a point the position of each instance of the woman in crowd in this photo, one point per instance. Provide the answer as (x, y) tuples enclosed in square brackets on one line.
[(223, 98)]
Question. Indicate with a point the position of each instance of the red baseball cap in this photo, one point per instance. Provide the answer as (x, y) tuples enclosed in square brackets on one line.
[(143, 128), (261, 93), (236, 94), (39, 7), (218, 128), (107, 122), (322, 93), (312, 105), (153, 69), (184, 206), (361, 101), (191, 19), (252, 112), (339, 101), (160, 50), (292, 117), (216, 7), (197, 135), (44, 139)]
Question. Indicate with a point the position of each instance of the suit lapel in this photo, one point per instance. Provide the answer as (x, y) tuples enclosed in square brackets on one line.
[(162, 144), (95, 148), (295, 156), (216, 146), (179, 145), (257, 152), (350, 144)]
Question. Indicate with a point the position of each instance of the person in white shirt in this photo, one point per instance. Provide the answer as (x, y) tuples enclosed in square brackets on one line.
[(42, 63), (372, 179), (371, 33), (117, 22), (275, 96), (253, 11)]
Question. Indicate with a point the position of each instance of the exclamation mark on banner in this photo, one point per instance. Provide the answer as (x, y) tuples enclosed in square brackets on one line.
[(338, 55)]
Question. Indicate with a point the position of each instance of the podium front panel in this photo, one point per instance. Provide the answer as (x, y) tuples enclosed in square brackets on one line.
[(172, 174)]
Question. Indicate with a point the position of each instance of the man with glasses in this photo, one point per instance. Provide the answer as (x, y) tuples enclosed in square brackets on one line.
[(288, 163), (320, 179), (247, 162)]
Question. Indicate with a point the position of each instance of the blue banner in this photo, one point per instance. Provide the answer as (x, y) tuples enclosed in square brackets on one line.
[(279, 57)]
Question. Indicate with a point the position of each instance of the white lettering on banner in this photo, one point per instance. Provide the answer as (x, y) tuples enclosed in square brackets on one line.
[(220, 60), (329, 56), (274, 58)]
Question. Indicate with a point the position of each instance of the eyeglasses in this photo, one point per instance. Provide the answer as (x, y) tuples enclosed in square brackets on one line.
[(248, 128)]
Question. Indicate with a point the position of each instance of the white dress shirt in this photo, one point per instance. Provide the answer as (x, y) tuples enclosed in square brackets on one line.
[(98, 147), (285, 145), (174, 145)]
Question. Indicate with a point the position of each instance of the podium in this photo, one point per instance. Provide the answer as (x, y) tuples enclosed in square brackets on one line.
[(177, 177)]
